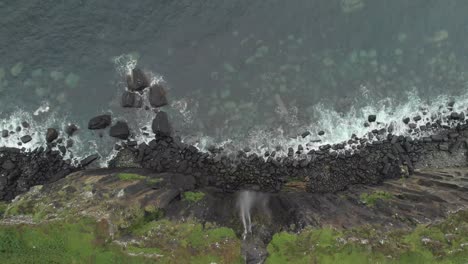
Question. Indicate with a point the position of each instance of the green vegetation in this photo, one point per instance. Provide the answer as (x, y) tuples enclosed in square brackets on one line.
[(130, 177), (446, 242), (193, 197), (86, 241), (372, 198), (3, 208), (60, 242), (188, 242)]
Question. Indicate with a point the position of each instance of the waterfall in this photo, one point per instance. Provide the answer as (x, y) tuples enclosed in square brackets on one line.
[(246, 202)]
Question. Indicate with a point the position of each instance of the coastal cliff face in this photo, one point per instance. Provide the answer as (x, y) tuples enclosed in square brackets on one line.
[(147, 217)]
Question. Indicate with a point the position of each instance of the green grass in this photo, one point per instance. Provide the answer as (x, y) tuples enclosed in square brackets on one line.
[(82, 241), (193, 197), (130, 177), (371, 198), (189, 242), (86, 241), (446, 242)]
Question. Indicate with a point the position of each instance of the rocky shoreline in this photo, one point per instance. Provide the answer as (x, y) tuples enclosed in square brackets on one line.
[(440, 142), (330, 169)]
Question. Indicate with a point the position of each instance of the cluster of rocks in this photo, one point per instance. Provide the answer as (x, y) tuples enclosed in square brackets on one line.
[(329, 169), (20, 170), (138, 83), (368, 160)]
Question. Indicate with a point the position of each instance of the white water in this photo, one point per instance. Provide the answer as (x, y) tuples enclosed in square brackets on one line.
[(338, 127), (248, 200)]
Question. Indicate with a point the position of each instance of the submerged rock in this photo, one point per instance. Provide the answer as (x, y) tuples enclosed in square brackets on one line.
[(71, 129), (161, 124), (157, 96), (120, 130), (5, 133), (51, 135), (371, 118), (99, 122)]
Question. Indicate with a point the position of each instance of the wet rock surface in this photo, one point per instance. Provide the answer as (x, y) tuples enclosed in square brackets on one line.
[(120, 130), (157, 96), (131, 99), (99, 122)]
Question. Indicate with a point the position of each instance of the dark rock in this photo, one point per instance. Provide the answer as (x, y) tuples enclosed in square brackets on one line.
[(25, 124), (437, 138), (406, 120), (62, 149), (455, 116), (371, 118), (138, 81), (417, 118), (305, 134), (69, 143), (451, 103), (99, 122), (130, 99), (8, 165), (5, 133), (120, 130), (157, 96), (444, 147), (71, 129), (321, 133), (51, 135), (161, 124), (26, 139), (90, 159), (18, 129)]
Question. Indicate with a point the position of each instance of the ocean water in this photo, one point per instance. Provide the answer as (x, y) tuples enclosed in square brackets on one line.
[(238, 73)]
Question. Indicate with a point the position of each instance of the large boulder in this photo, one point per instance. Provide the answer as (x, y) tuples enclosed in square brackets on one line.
[(99, 122), (51, 135), (131, 99), (161, 124), (138, 81), (120, 130), (157, 96)]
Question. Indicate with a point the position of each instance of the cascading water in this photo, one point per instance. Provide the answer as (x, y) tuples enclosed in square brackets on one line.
[(246, 202)]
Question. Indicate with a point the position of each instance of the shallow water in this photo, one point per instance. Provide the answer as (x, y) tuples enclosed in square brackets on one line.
[(239, 73)]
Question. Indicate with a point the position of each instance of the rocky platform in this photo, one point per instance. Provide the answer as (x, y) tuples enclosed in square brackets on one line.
[(123, 197)]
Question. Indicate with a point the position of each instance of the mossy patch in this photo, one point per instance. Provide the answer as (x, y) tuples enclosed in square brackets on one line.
[(130, 177), (446, 242), (193, 197), (371, 198)]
